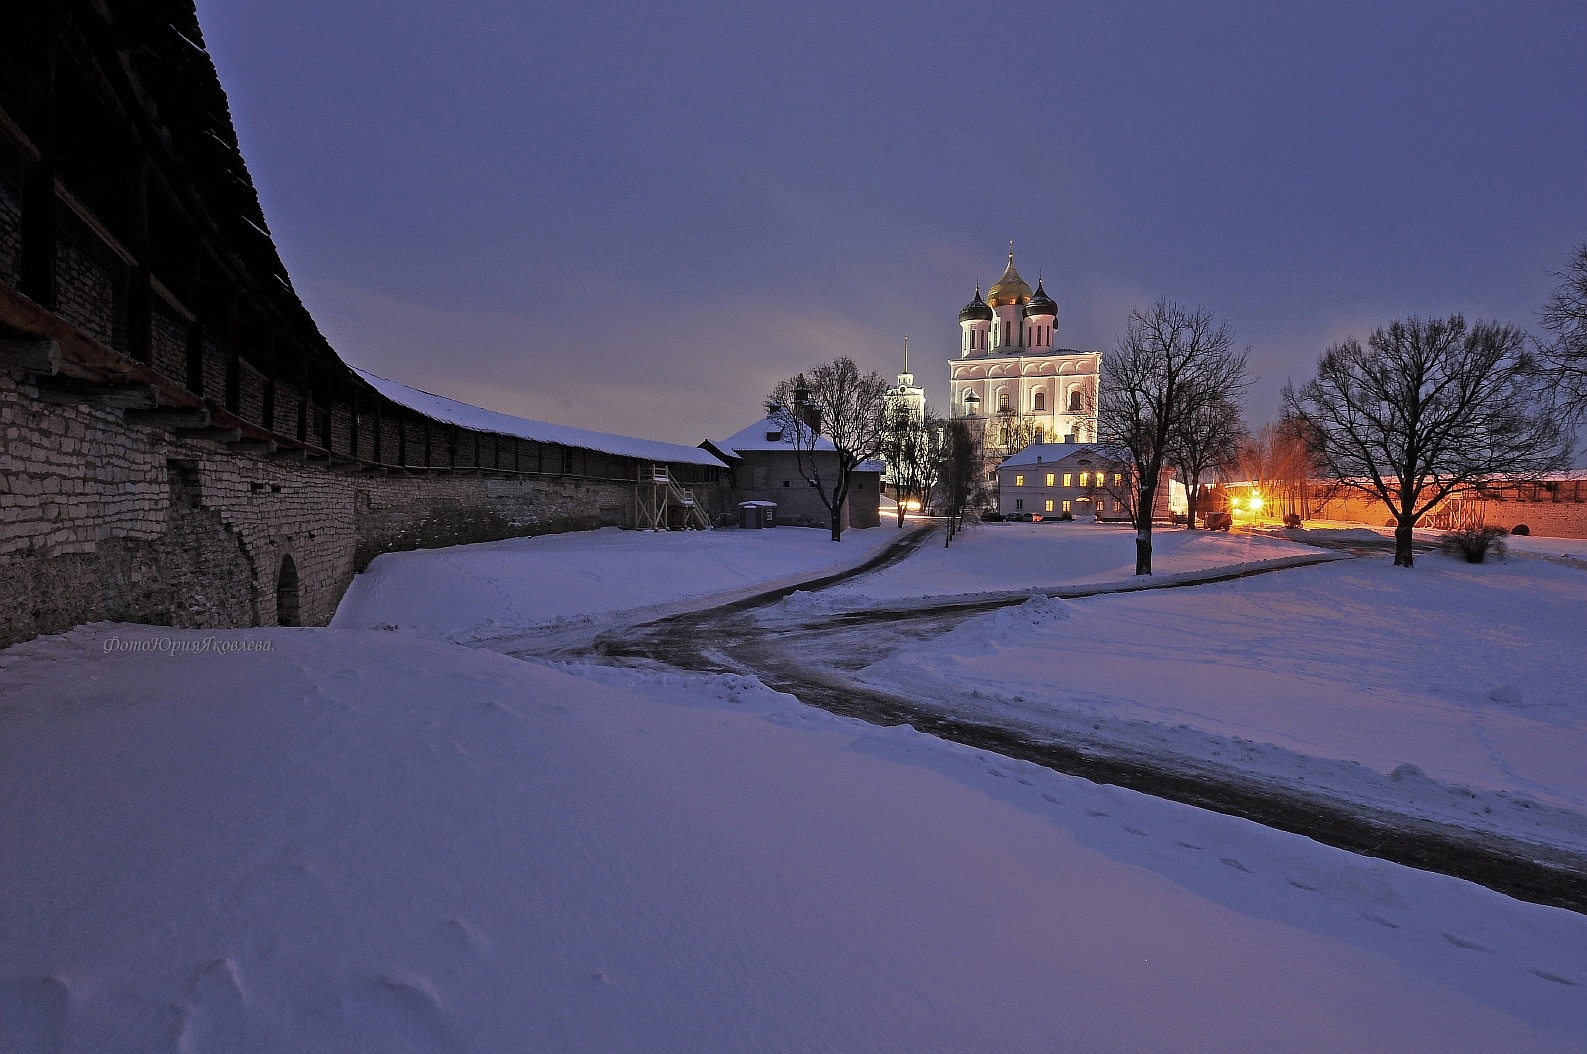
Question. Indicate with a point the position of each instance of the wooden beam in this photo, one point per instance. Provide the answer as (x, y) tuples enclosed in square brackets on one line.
[(168, 418), (126, 397), (254, 446), (30, 354), (211, 434)]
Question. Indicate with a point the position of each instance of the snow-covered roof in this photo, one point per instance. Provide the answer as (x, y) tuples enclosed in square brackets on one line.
[(754, 438), (1047, 453), (466, 415)]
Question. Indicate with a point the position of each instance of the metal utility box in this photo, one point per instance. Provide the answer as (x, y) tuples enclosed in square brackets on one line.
[(757, 514)]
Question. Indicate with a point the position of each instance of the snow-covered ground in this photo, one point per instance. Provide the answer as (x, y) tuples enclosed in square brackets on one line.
[(999, 557), (1521, 545), (358, 841), (1452, 690), (496, 589), (351, 839)]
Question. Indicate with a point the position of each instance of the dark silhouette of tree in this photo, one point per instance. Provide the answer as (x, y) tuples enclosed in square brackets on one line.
[(1170, 364), (1565, 316), (838, 403), (1278, 459), (1205, 443), (963, 470), (1427, 408), (914, 447)]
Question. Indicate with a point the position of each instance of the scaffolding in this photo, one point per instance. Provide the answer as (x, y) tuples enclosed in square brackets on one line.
[(661, 504)]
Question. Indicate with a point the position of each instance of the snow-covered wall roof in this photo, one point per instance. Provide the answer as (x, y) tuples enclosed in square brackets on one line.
[(754, 438), (466, 415)]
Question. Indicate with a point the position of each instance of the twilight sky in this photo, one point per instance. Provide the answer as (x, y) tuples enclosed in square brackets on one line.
[(638, 217)]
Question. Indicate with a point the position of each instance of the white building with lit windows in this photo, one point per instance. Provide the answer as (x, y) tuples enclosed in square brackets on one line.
[(1046, 480), (1011, 372)]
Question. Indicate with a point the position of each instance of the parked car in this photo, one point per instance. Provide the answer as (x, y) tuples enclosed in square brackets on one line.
[(1217, 521), (1024, 517)]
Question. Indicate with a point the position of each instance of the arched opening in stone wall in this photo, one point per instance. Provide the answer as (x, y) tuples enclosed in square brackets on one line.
[(287, 594)]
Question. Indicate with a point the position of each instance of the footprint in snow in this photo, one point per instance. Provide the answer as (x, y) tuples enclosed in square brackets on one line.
[(1026, 782), (1556, 978), (999, 773), (1095, 812), (1298, 884), (1380, 920), (1049, 797), (1229, 861), (1190, 845), (1135, 831), (1461, 942), (400, 1004)]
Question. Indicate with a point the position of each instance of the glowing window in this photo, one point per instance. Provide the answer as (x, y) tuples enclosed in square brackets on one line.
[(1085, 479), (1049, 505), (1118, 479), (1019, 481), (1066, 506), (1069, 480), (1049, 479)]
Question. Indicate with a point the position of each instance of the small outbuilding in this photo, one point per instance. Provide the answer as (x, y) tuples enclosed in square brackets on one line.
[(757, 514), (765, 465)]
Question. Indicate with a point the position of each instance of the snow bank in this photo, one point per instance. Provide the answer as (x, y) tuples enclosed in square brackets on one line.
[(360, 842), (1328, 678), (496, 589), (997, 557)]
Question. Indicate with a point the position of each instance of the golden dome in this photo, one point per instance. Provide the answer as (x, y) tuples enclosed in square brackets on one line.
[(1010, 289)]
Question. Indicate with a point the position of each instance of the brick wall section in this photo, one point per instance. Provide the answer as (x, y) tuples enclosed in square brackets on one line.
[(1553, 519), (100, 520), (250, 390), (214, 370), (10, 216), (168, 343), (89, 280)]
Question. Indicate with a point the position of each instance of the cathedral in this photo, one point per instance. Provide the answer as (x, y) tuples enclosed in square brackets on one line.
[(1011, 374)]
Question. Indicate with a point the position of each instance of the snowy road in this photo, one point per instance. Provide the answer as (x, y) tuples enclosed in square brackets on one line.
[(830, 648)]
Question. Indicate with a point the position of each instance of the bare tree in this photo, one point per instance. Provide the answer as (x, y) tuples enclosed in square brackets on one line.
[(913, 447), (1015, 431), (1427, 408), (1205, 442), (1565, 316), (1278, 460), (962, 473), (837, 403), (1169, 364)]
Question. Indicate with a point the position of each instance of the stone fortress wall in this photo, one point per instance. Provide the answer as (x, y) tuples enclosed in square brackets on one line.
[(178, 443)]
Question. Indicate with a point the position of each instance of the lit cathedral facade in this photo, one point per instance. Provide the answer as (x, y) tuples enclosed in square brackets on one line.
[(1010, 373)]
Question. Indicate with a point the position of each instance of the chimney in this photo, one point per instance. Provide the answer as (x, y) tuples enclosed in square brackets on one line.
[(809, 412)]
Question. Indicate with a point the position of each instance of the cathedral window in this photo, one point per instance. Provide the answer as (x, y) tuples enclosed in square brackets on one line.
[(1039, 402), (1002, 401), (1074, 402)]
